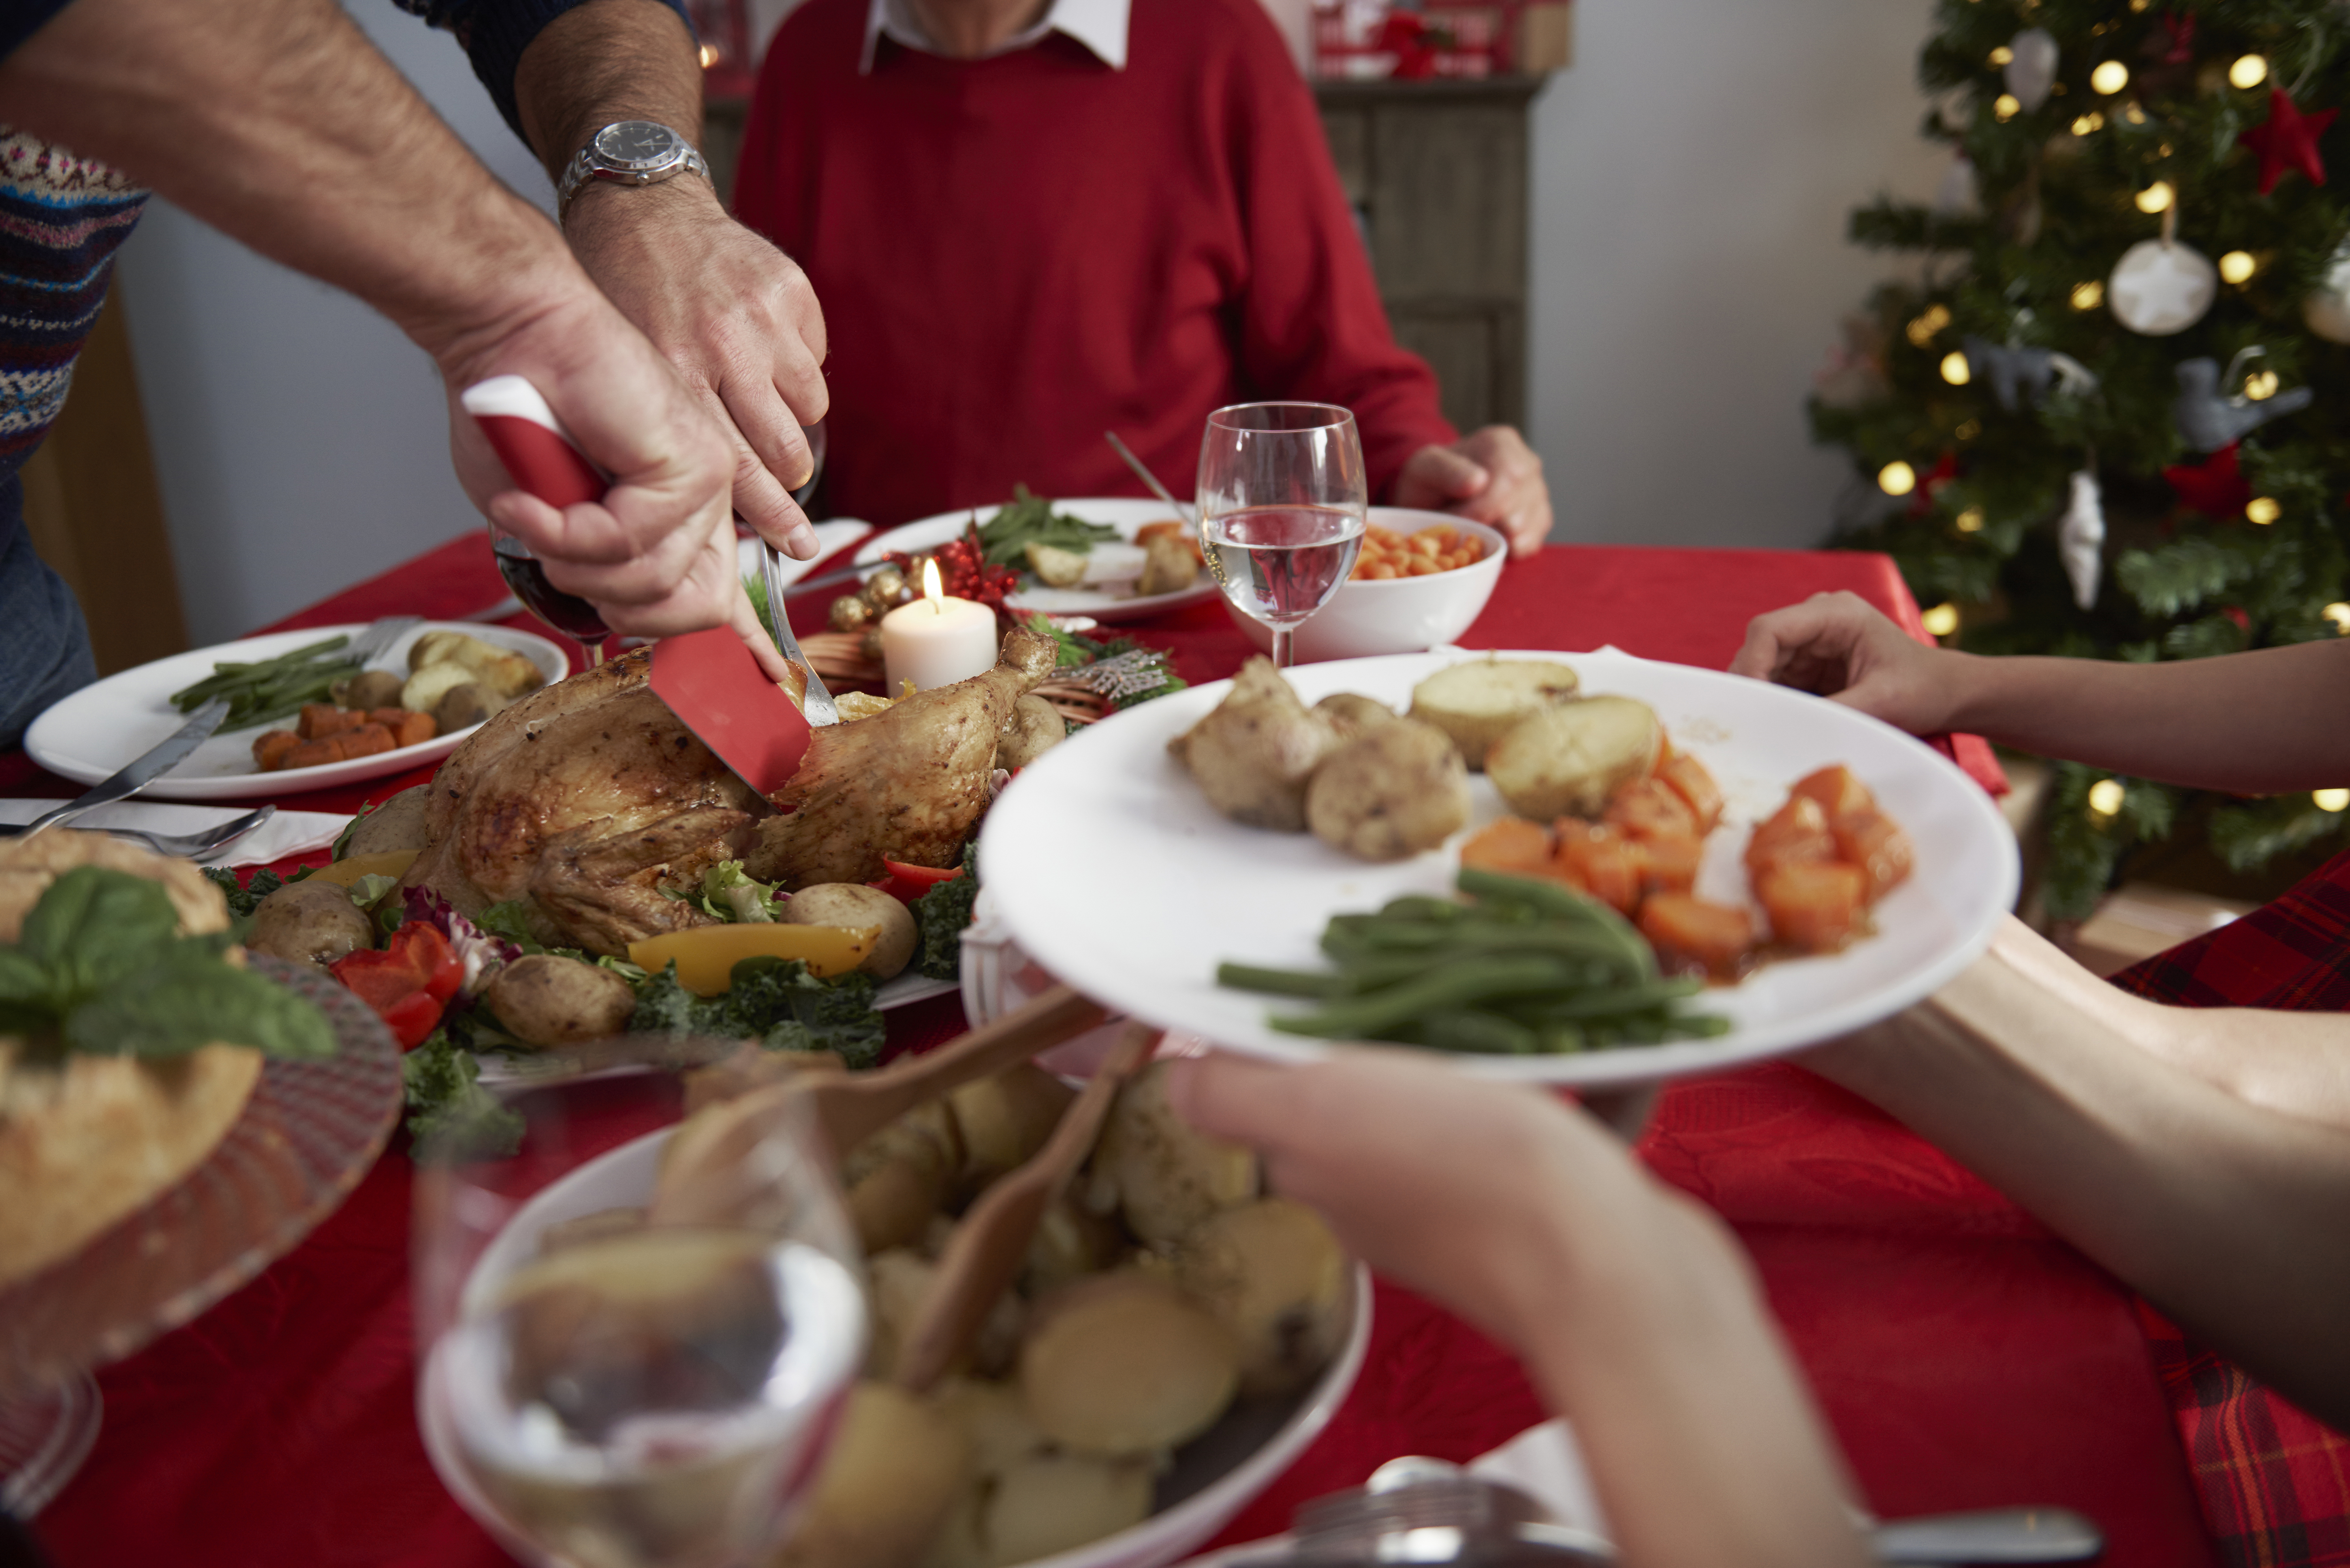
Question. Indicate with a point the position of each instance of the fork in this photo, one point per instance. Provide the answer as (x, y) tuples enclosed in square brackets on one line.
[(191, 846)]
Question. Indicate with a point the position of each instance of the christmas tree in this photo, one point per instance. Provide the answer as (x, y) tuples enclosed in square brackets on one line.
[(2107, 414)]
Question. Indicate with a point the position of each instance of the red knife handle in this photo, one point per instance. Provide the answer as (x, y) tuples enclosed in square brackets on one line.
[(532, 443)]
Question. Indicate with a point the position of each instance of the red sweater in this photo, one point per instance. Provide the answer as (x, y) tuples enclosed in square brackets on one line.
[(1014, 255)]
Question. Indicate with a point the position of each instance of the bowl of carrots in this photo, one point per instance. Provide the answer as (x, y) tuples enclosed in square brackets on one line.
[(1421, 579)]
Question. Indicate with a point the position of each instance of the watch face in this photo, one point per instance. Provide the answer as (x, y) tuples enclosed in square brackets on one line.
[(637, 144)]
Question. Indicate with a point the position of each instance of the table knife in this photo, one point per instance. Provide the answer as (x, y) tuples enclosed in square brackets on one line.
[(817, 704), (145, 770)]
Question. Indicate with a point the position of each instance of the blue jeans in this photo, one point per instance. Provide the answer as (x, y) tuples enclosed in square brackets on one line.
[(44, 642)]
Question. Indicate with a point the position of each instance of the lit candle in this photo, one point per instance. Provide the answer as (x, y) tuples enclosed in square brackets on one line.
[(936, 640)]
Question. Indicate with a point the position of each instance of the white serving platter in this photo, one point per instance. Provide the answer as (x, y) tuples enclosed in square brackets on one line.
[(1115, 875)]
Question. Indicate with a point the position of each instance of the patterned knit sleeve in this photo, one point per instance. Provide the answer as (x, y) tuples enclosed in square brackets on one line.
[(495, 33)]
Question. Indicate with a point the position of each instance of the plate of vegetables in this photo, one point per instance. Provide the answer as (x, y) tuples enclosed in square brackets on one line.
[(303, 715), (1113, 559), (1545, 923)]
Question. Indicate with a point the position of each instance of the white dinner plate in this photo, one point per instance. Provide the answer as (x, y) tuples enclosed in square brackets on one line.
[(1115, 874), (89, 735), (1111, 568)]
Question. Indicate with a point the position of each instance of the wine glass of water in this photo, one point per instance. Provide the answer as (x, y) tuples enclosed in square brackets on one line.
[(1283, 504), (627, 1360)]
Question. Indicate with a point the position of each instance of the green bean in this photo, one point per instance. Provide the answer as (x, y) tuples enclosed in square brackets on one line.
[(1420, 907), (1483, 1033), (1282, 981), (1456, 985), (1622, 999)]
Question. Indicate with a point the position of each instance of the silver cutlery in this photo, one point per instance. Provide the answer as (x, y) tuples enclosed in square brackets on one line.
[(380, 634), (817, 702), (1151, 480), (144, 769), (195, 845)]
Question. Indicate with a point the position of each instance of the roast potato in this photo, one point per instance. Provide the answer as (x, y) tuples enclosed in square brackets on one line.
[(545, 1001), (368, 689), (1478, 702), (500, 672), (313, 923), (398, 824), (1047, 1503), (1055, 567), (427, 689), (1036, 728), (1275, 1276), (1566, 761), (1168, 565), (1389, 792), (1166, 1176), (1125, 1364), (1069, 1244), (1005, 1119), (1253, 755), (852, 905), (1354, 714), (895, 1471), (896, 1179), (463, 706)]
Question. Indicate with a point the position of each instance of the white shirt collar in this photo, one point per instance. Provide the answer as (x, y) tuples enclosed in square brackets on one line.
[(1100, 24)]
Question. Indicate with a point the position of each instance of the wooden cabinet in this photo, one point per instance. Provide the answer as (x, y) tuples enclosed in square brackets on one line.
[(1436, 171)]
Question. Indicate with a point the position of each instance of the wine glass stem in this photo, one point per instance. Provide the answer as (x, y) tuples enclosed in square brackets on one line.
[(1284, 646), (593, 650)]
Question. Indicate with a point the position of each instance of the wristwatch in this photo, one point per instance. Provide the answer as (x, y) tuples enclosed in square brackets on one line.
[(633, 152)]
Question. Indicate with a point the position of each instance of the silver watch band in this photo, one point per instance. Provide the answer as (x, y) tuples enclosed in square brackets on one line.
[(585, 166)]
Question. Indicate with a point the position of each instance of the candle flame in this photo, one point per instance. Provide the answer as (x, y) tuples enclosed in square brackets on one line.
[(932, 590)]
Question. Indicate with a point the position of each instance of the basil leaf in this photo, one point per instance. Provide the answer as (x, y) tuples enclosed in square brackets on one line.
[(93, 926), (186, 999)]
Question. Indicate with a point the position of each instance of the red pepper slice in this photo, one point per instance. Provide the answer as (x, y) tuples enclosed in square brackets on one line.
[(907, 883), (407, 984)]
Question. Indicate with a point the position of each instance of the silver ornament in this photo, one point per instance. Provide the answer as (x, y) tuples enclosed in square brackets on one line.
[(2208, 421), (2327, 309), (2008, 367), (2031, 69), (2160, 286), (2080, 538)]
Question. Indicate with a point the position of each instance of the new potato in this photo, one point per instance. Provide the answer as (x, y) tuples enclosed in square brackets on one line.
[(1124, 1364), (1254, 754), (852, 907), (895, 1469), (1273, 1275), (1480, 701), (1163, 1176), (1566, 761), (547, 1000), (397, 825), (310, 923)]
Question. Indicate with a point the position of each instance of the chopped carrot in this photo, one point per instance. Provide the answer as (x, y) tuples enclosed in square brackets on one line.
[(1687, 778), (1798, 832), (1875, 843), (1511, 846), (320, 720), (312, 753), (1600, 861), (407, 728), (1669, 863), (363, 741), (1649, 808), (1837, 790), (269, 750), (1718, 936), (1813, 905)]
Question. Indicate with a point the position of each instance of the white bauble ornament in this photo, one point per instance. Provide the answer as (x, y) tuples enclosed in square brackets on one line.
[(2327, 309), (2160, 286), (2031, 69), (2080, 538), (1958, 195)]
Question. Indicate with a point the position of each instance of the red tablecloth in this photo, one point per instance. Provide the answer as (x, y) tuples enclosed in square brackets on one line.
[(1965, 1358)]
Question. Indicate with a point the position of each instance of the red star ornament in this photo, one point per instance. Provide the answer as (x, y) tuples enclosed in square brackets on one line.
[(1929, 483), (2287, 141), (2212, 486)]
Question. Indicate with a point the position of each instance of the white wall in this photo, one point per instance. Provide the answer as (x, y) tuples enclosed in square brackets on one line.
[(1693, 174), (300, 442)]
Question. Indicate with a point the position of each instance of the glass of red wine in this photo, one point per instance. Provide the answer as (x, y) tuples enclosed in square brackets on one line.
[(1282, 505), (574, 617)]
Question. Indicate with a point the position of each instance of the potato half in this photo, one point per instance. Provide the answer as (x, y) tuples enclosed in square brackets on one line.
[(1566, 761), (1479, 703), (895, 1469), (1124, 1364), (1166, 1176), (1274, 1275)]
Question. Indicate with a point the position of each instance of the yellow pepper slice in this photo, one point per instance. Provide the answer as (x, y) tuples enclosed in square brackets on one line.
[(706, 955), (343, 873)]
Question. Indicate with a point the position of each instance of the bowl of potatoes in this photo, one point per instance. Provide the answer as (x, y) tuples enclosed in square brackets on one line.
[(1174, 1340), (1408, 613)]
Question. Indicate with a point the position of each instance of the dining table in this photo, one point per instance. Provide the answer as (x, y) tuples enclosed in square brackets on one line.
[(1964, 1356)]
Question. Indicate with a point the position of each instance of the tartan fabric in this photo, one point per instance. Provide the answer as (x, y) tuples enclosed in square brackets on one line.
[(2275, 1483)]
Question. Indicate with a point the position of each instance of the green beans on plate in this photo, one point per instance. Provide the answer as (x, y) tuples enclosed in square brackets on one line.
[(267, 690), (1524, 968)]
